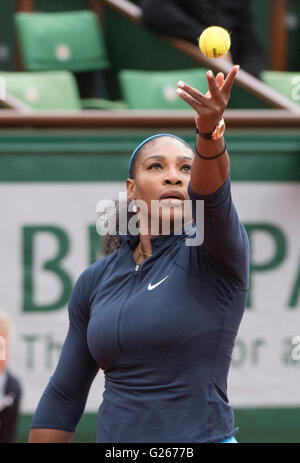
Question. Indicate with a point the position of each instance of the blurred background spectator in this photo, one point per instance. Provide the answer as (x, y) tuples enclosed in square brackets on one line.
[(10, 390), (186, 19)]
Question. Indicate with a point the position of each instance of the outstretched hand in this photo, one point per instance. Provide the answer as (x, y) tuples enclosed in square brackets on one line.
[(211, 106)]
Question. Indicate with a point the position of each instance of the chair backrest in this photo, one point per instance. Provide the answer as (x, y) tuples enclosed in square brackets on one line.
[(286, 83), (61, 41), (44, 90), (157, 89)]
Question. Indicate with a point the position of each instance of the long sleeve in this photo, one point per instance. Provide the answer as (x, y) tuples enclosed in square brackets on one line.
[(63, 401), (168, 18), (225, 237)]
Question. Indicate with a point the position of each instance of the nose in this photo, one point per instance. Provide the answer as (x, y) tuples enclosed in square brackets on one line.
[(172, 177)]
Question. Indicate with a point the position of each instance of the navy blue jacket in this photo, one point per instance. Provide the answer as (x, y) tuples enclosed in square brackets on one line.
[(163, 333)]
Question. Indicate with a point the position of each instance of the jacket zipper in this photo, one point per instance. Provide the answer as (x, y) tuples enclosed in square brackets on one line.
[(122, 309)]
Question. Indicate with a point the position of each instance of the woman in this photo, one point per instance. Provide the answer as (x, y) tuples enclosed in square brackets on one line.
[(158, 316)]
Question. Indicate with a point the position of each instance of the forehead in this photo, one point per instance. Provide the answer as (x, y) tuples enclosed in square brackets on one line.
[(166, 146)]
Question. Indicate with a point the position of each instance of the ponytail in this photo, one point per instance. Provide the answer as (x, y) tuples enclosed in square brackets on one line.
[(112, 242)]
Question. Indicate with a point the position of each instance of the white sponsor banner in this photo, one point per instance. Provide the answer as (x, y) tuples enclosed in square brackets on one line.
[(266, 365), (266, 361)]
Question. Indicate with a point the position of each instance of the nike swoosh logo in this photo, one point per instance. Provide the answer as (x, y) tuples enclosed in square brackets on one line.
[(150, 286)]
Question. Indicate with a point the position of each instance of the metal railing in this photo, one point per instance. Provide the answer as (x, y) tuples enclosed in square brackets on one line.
[(235, 118)]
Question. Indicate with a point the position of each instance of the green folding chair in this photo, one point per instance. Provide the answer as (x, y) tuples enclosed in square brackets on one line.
[(70, 41), (52, 90), (157, 89), (44, 90), (64, 41), (286, 83)]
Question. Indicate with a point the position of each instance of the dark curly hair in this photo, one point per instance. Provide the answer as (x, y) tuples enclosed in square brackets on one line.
[(111, 243)]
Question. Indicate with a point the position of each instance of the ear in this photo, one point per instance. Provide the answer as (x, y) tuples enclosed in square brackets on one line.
[(130, 185)]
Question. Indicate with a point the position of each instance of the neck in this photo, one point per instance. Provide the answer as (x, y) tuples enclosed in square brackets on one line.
[(145, 245)]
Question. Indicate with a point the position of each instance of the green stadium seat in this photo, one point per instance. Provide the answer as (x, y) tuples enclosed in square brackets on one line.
[(61, 41), (286, 83), (44, 90), (52, 90), (157, 89)]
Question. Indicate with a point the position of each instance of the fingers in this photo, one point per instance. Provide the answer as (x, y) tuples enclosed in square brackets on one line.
[(220, 80), (198, 96), (230, 79), (188, 99), (218, 87), (212, 85)]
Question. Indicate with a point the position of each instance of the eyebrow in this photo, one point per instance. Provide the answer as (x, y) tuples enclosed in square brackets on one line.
[(162, 156)]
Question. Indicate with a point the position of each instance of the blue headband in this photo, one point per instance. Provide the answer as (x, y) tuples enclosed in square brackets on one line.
[(146, 141)]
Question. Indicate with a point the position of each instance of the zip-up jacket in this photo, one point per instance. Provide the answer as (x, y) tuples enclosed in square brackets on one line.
[(163, 333)]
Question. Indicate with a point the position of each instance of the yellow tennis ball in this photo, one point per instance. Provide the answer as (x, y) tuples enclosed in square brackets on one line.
[(214, 41)]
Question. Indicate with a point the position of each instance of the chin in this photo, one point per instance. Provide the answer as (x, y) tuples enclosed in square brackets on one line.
[(170, 219)]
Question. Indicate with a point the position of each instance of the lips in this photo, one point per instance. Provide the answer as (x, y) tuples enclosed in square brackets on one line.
[(172, 194)]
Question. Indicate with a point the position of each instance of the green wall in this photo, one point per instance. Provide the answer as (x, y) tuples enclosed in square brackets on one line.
[(103, 155), (263, 425)]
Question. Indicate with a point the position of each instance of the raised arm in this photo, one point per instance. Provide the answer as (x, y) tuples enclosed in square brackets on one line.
[(224, 236), (209, 175), (62, 403)]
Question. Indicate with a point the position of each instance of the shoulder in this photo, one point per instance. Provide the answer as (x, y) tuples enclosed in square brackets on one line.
[(95, 271), (84, 288), (89, 278)]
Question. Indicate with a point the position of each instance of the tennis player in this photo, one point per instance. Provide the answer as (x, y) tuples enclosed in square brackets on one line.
[(160, 317)]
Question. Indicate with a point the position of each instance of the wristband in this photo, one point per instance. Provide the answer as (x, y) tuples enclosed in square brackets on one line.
[(210, 157)]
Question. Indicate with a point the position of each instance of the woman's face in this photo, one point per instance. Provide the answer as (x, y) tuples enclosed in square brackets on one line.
[(162, 173)]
